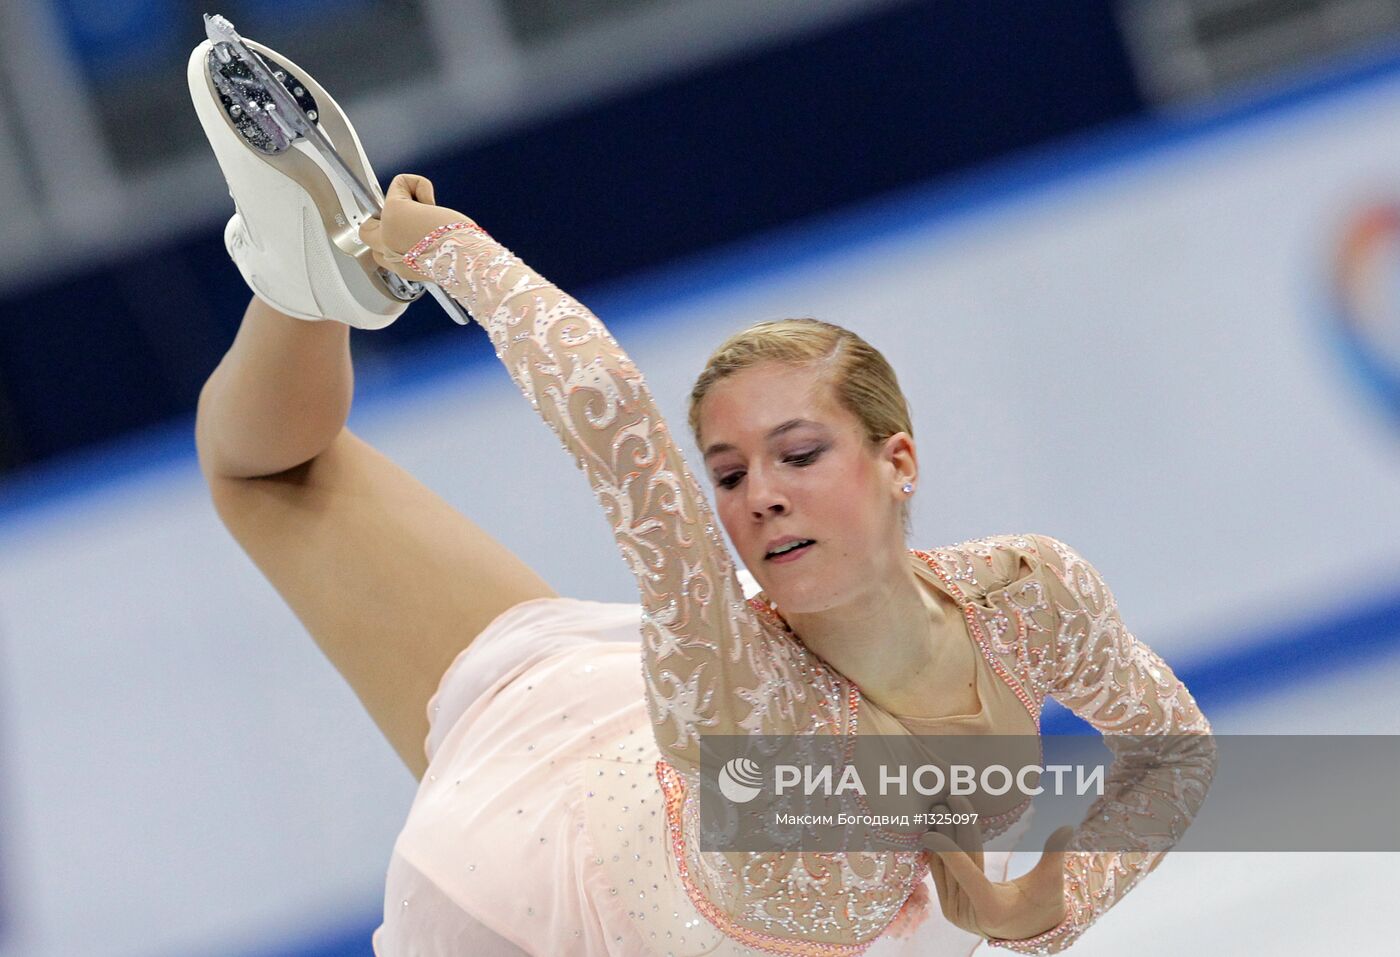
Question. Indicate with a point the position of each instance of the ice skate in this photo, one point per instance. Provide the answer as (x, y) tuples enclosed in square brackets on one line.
[(300, 182)]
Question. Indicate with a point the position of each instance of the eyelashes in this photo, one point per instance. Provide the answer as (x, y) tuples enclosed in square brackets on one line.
[(800, 459)]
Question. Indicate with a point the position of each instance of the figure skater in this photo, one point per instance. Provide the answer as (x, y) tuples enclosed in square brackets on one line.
[(557, 739)]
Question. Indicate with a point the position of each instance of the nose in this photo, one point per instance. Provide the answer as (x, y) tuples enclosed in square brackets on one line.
[(764, 495)]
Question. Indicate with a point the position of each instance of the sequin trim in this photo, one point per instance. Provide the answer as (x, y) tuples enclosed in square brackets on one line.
[(974, 624), (674, 788), (906, 839), (993, 825), (1041, 943), (410, 258), (712, 663)]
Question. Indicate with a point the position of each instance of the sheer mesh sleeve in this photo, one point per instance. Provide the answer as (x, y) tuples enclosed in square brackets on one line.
[(1092, 664), (709, 664)]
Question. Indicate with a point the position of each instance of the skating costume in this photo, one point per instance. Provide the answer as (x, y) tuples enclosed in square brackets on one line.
[(559, 814)]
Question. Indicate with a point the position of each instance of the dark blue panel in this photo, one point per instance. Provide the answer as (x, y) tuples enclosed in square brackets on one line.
[(903, 96), (109, 36), (266, 13)]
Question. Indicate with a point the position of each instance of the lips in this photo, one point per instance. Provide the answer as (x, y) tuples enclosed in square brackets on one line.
[(787, 546)]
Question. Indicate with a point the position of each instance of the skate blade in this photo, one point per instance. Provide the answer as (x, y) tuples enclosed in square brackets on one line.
[(250, 106), (272, 109)]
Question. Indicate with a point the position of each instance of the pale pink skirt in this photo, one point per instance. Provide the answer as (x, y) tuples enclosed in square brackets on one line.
[(504, 851)]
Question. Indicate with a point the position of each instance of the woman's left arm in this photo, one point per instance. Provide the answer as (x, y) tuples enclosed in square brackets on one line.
[(708, 664), (1164, 757)]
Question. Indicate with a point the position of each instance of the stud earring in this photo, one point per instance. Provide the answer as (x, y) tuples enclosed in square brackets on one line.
[(908, 488)]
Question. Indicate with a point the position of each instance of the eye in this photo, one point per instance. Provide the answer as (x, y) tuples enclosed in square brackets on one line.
[(801, 460), (805, 458)]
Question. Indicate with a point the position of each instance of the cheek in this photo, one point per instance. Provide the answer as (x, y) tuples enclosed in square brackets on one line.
[(852, 498), (843, 485), (730, 511)]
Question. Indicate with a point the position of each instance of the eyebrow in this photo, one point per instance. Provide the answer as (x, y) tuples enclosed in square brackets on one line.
[(773, 433)]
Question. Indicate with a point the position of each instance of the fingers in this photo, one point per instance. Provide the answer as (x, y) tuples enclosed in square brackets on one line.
[(965, 833), (940, 878), (962, 887), (959, 865), (370, 232), (949, 897), (372, 235), (968, 835), (944, 827), (1051, 866), (400, 187), (1056, 843), (411, 187)]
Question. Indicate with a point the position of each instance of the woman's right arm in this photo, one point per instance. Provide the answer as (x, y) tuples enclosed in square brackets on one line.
[(390, 580)]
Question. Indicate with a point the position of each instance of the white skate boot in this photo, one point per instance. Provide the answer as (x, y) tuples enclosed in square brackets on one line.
[(295, 232)]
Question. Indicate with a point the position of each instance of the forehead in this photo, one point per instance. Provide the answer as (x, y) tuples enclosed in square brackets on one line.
[(754, 400)]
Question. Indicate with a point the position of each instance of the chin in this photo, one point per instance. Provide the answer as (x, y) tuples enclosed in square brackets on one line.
[(810, 607), (795, 597)]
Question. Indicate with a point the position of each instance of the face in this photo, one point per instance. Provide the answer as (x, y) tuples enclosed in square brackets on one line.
[(786, 460)]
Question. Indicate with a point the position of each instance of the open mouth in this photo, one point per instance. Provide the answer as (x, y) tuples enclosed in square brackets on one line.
[(789, 551)]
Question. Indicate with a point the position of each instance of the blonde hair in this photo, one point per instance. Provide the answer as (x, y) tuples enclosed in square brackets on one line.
[(863, 379)]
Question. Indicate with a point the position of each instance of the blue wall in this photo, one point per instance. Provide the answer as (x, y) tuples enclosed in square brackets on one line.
[(912, 93)]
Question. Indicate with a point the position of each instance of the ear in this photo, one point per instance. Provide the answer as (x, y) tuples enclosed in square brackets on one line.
[(899, 453)]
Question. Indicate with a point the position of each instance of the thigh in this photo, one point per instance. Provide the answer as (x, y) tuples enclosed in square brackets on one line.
[(390, 580)]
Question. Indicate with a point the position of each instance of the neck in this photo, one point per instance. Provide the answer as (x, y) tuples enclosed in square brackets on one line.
[(885, 641)]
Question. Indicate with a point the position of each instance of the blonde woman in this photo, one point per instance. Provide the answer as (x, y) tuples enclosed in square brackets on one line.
[(556, 739)]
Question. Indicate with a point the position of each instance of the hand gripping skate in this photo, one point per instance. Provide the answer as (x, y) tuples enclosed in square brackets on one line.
[(302, 185)]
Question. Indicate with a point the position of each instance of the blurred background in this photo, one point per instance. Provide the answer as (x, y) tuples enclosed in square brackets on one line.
[(1136, 262)]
